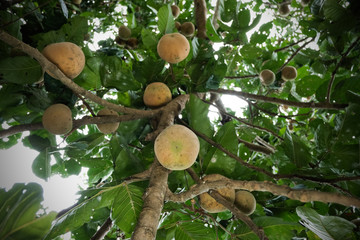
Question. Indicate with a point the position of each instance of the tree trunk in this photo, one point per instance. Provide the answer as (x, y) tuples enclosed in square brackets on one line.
[(154, 197)]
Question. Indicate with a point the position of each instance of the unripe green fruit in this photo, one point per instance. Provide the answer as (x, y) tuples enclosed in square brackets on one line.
[(124, 32), (187, 29), (107, 128), (284, 9), (245, 202), (57, 119), (267, 77), (288, 73)]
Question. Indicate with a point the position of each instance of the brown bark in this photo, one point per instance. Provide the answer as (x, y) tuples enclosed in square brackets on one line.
[(320, 105), (103, 230), (154, 197), (200, 18), (296, 194)]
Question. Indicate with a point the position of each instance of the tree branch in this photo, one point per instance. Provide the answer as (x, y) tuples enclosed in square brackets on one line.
[(100, 234), (200, 18), (294, 54), (290, 45), (154, 197), (256, 147), (76, 123), (239, 77), (320, 105), (331, 82), (50, 67), (278, 190)]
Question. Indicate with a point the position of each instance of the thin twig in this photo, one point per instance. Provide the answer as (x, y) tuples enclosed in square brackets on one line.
[(239, 77), (290, 45), (337, 67), (319, 105)]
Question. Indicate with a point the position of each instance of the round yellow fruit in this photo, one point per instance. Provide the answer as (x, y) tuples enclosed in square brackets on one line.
[(176, 147), (173, 47), (107, 128), (288, 73), (124, 32), (245, 202), (175, 10), (208, 203), (187, 29), (67, 56), (267, 77), (156, 94), (57, 119)]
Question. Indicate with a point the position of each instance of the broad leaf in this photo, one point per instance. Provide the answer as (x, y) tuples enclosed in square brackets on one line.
[(166, 22), (20, 70), (194, 231), (308, 85), (41, 166), (126, 207), (18, 219), (296, 150), (326, 227)]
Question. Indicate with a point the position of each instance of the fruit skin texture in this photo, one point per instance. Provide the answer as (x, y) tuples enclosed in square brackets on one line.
[(68, 56), (208, 203), (187, 29), (176, 147), (267, 77), (175, 10), (107, 128), (284, 9), (245, 202), (57, 119), (156, 94), (304, 3), (173, 47), (288, 73), (124, 32)]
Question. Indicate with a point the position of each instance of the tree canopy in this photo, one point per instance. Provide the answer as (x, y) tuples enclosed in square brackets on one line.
[(293, 143)]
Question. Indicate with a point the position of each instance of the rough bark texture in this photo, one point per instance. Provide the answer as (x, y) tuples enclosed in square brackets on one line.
[(154, 197), (200, 18), (301, 195)]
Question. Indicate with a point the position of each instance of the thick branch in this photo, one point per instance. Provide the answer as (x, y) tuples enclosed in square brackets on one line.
[(296, 194), (154, 197), (50, 67), (321, 105), (200, 18), (331, 82), (76, 123)]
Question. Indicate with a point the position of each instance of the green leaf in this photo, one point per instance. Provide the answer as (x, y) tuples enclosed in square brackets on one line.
[(149, 39), (326, 227), (20, 70), (18, 219), (118, 74), (41, 165), (333, 10), (82, 212), (99, 168), (296, 150), (194, 231), (211, 31), (218, 162), (348, 126), (198, 119), (38, 143), (250, 51), (166, 21), (244, 18), (89, 78), (126, 207), (308, 85)]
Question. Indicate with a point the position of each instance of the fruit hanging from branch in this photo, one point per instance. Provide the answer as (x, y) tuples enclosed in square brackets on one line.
[(67, 56), (288, 73), (175, 10), (267, 77), (176, 147), (284, 9), (187, 29), (245, 202), (173, 47), (208, 203), (107, 128), (57, 119), (124, 32), (156, 94)]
